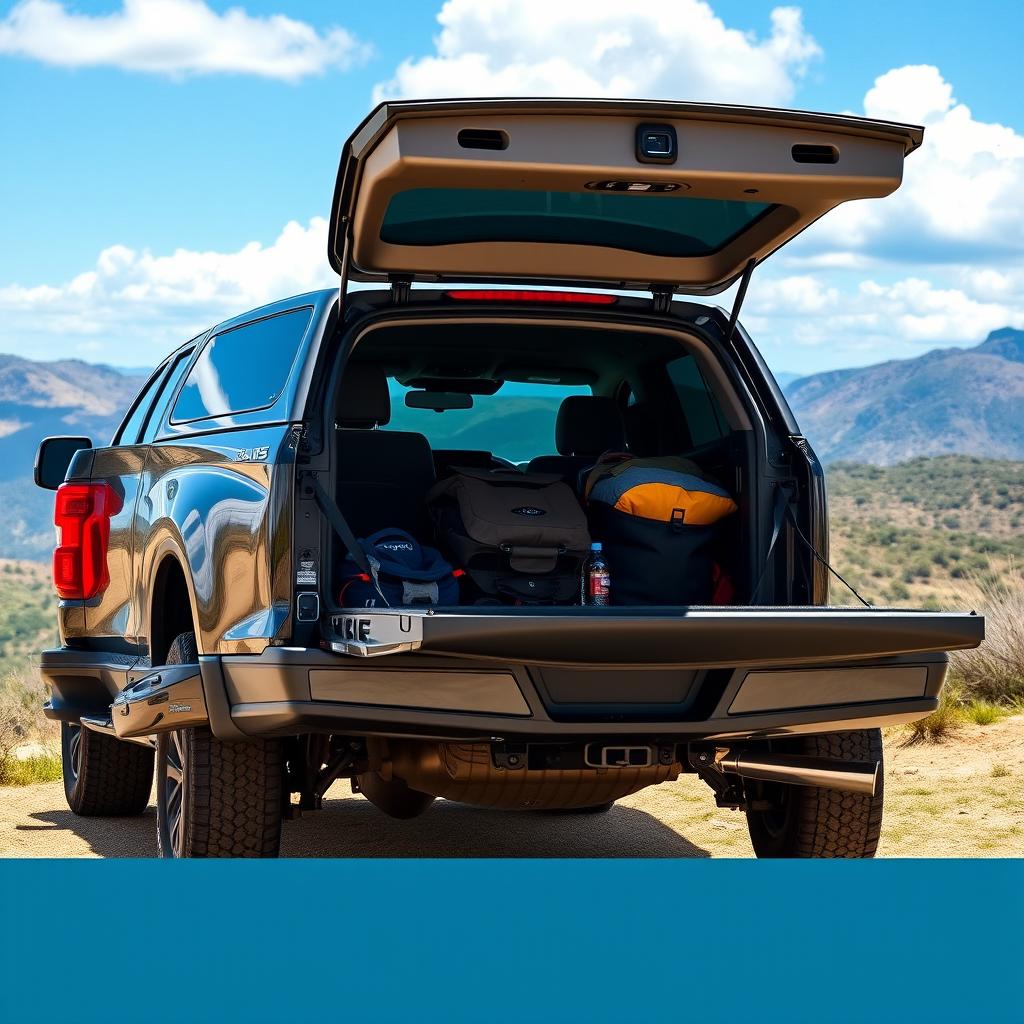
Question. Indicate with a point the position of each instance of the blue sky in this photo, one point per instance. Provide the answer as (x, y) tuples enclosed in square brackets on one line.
[(164, 164)]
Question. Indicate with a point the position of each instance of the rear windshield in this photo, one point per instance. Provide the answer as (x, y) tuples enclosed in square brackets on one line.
[(666, 224), (516, 423)]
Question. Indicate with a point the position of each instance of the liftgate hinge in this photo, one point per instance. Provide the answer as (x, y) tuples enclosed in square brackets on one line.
[(661, 299), (400, 288)]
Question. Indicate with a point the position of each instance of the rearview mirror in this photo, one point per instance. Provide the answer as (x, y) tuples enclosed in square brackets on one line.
[(53, 457), (439, 401)]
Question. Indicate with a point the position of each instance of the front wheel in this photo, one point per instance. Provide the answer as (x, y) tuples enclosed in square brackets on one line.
[(805, 821), (216, 798)]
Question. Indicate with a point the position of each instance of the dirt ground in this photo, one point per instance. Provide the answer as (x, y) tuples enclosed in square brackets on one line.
[(960, 798)]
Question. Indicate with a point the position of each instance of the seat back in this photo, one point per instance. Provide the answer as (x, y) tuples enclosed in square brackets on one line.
[(383, 475), (587, 426)]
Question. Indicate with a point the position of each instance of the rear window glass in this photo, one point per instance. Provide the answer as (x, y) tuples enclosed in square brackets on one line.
[(516, 423), (242, 369), (700, 408), (672, 224)]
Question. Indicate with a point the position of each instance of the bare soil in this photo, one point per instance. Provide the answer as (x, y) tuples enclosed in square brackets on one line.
[(960, 798)]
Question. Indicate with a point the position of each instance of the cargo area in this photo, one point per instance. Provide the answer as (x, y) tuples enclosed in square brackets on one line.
[(650, 437)]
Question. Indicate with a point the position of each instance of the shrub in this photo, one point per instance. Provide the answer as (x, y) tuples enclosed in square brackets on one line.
[(994, 671)]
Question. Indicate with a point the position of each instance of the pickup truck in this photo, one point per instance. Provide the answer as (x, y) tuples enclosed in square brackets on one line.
[(525, 256)]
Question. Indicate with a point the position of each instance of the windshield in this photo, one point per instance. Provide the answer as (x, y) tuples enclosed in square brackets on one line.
[(516, 423)]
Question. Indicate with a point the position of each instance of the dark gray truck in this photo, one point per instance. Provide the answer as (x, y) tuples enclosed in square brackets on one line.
[(199, 552)]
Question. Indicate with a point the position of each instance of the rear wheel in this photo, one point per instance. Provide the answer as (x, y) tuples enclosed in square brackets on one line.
[(216, 799), (805, 821), (104, 775)]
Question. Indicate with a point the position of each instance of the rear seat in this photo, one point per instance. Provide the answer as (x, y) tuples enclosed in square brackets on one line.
[(586, 428), (383, 475)]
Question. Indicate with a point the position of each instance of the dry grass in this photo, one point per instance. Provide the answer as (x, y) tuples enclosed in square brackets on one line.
[(21, 723), (986, 684), (994, 672)]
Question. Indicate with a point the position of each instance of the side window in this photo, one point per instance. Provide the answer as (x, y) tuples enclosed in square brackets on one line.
[(167, 388), (698, 404), (243, 369), (128, 433)]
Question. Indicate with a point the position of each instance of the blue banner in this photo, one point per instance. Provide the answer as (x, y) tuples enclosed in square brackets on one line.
[(522, 941)]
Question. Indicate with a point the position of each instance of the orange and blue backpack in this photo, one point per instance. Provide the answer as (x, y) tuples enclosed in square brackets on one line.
[(656, 520)]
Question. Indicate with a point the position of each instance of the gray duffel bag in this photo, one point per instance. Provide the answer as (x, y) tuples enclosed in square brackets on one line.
[(521, 538)]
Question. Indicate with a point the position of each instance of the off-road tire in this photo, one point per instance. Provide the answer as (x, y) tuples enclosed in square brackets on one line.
[(813, 822), (231, 792), (104, 776)]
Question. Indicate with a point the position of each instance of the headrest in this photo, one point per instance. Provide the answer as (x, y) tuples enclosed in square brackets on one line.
[(588, 425), (363, 399)]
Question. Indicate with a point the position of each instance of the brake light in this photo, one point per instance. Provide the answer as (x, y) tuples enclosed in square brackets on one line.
[(501, 295), (82, 515)]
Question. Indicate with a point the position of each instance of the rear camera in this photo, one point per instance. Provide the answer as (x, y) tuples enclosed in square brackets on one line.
[(656, 144)]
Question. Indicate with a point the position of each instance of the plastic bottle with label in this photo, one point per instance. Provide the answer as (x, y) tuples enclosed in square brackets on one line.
[(596, 579)]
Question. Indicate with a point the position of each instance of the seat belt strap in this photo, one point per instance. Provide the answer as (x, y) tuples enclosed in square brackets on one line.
[(783, 494), (334, 516)]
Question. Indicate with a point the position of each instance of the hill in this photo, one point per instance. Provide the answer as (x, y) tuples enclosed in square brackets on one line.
[(64, 397), (914, 533), (963, 401)]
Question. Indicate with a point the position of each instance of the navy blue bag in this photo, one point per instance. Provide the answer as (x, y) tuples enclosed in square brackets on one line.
[(403, 572)]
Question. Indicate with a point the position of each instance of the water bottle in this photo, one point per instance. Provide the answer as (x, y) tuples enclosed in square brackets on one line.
[(596, 579)]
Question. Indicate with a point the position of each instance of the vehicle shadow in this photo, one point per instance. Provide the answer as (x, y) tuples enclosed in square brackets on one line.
[(107, 837), (352, 827), (355, 828)]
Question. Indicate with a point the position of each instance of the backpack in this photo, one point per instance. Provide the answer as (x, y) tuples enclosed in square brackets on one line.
[(656, 520), (407, 573), (521, 537)]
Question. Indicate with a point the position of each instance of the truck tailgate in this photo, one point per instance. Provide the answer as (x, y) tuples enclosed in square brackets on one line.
[(679, 637)]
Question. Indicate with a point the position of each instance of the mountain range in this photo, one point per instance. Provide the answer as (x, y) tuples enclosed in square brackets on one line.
[(947, 401)]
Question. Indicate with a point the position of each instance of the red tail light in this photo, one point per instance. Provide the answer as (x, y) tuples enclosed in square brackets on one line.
[(82, 516), (501, 295)]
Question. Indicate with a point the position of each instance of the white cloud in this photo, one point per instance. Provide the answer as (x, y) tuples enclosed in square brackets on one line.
[(175, 37), (870, 320), (962, 198), (668, 49), (131, 307)]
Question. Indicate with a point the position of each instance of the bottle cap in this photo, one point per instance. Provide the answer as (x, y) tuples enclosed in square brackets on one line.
[(595, 546)]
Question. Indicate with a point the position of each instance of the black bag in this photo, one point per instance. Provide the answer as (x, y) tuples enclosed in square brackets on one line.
[(402, 572), (521, 537), (656, 520)]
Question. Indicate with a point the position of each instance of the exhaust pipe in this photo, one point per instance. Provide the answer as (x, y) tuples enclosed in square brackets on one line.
[(799, 770)]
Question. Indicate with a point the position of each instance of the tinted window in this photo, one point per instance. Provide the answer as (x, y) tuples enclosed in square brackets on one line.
[(700, 407), (129, 432), (669, 224), (242, 369), (159, 407), (516, 423)]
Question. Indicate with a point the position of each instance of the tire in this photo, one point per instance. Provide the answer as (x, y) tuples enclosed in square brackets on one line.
[(811, 822), (216, 799), (104, 776), (393, 797)]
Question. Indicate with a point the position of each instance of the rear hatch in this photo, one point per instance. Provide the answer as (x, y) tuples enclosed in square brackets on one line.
[(622, 194), (626, 194)]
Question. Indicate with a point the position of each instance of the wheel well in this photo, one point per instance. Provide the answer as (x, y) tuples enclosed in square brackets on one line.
[(171, 610)]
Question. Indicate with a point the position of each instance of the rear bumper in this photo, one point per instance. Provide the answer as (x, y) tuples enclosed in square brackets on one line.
[(286, 691)]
